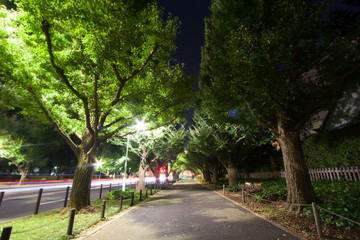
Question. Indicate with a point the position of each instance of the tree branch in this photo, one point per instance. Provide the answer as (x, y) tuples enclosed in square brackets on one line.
[(118, 120), (60, 72), (266, 124), (68, 140), (133, 74)]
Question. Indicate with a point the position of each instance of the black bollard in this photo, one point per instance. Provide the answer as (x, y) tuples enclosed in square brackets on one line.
[(38, 202), (140, 195), (103, 210), (66, 196), (6, 232), (132, 199), (100, 191), (121, 202), (110, 188), (1, 197), (71, 222)]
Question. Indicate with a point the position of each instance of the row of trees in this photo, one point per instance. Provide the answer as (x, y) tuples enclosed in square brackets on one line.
[(25, 145), (276, 63), (91, 68)]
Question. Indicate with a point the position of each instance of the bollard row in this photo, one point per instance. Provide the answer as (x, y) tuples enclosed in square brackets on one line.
[(6, 232), (1, 197)]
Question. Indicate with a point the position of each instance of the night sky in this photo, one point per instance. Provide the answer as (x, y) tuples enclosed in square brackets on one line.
[(191, 14)]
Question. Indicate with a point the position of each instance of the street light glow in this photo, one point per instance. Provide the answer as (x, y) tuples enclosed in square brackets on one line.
[(98, 164), (140, 125)]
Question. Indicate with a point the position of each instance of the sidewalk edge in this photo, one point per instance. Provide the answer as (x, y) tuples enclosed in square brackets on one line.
[(273, 223)]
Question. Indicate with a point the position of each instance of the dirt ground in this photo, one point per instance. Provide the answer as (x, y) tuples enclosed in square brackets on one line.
[(301, 224)]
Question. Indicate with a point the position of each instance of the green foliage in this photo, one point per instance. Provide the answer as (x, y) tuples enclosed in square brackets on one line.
[(53, 225), (265, 60), (27, 143), (337, 148), (90, 68), (115, 195), (234, 188), (274, 190), (340, 197), (92, 65), (267, 53), (221, 182)]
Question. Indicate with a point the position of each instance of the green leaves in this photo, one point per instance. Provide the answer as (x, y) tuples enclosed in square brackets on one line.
[(247, 42), (71, 61)]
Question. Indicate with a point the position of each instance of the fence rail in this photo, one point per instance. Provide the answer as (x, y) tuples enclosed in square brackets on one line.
[(349, 173)]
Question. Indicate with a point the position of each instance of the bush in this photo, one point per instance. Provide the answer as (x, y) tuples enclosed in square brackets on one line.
[(115, 195), (337, 148), (340, 197), (274, 190), (234, 188)]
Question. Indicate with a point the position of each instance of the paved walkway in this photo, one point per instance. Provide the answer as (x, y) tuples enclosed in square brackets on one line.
[(187, 210)]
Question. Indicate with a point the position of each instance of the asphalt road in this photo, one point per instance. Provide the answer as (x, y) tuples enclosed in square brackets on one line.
[(20, 202), (187, 210)]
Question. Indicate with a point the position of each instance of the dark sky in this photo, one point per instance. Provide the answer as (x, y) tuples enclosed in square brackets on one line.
[(191, 14)]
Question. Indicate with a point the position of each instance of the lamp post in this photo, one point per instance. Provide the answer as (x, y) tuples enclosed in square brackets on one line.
[(126, 157), (140, 126)]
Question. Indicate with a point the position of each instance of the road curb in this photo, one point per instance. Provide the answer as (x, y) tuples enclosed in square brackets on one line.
[(267, 220)]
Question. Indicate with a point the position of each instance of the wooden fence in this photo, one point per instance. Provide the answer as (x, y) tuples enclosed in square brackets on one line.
[(348, 173)]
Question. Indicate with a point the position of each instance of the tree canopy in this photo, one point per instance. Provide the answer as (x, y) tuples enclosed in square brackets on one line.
[(275, 59), (90, 68)]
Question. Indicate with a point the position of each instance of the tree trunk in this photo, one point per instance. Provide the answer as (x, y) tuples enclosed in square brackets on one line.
[(24, 173), (206, 175), (80, 191), (175, 175), (231, 170), (230, 167), (214, 171), (142, 170), (299, 188)]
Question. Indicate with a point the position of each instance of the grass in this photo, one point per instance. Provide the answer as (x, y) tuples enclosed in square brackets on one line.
[(52, 225)]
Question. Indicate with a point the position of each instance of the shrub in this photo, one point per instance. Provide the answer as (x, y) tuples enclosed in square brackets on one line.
[(274, 190), (337, 148), (340, 197), (115, 195), (234, 188)]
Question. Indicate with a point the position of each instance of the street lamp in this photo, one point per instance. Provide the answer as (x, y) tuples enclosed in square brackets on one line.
[(140, 126), (126, 157), (97, 165)]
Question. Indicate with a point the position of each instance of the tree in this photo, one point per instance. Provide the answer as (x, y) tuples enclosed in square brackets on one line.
[(193, 159), (26, 144), (218, 140), (167, 148), (270, 57), (109, 155), (142, 144), (89, 68)]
